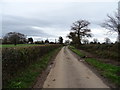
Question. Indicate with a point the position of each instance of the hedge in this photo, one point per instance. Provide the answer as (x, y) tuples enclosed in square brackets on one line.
[(109, 51), (16, 59)]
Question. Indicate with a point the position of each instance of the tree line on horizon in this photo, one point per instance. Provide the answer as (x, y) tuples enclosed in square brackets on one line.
[(19, 38)]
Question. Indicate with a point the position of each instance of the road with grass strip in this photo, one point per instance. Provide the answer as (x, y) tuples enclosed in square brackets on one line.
[(68, 72)]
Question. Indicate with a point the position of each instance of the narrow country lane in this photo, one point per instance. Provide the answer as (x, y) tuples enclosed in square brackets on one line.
[(68, 72)]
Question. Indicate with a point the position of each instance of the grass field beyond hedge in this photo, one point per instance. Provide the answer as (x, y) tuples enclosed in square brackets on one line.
[(19, 45), (107, 70)]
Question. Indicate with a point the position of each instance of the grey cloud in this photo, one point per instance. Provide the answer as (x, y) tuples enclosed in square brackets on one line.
[(14, 20), (24, 25), (21, 17)]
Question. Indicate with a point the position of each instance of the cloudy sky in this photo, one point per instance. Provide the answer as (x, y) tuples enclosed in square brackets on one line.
[(42, 19)]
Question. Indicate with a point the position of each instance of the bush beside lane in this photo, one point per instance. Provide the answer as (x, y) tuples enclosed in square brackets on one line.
[(17, 59)]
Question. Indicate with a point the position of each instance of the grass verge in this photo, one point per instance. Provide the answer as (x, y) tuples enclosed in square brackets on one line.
[(26, 78), (109, 71), (76, 51)]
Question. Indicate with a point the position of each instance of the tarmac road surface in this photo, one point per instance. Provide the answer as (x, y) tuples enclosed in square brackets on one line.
[(68, 72)]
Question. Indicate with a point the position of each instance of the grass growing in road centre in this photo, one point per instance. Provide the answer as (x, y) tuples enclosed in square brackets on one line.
[(107, 70)]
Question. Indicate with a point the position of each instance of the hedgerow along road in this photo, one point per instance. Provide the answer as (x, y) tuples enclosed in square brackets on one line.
[(68, 72)]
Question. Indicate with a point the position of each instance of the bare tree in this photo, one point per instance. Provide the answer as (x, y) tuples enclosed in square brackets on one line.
[(113, 24), (67, 42), (81, 30)]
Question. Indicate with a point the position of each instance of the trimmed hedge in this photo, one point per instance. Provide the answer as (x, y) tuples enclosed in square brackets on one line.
[(16, 59)]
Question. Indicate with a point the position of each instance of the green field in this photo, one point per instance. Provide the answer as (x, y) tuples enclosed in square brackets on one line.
[(18, 45)]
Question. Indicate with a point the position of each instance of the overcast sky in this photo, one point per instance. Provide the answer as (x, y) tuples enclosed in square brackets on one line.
[(50, 19)]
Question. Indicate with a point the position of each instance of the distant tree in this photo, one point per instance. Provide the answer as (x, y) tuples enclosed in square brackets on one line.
[(60, 40), (95, 40), (52, 43), (80, 28), (14, 38), (73, 37), (47, 41), (113, 24), (67, 42), (107, 40), (91, 42), (103, 43), (30, 40), (39, 42), (42, 42), (98, 42), (85, 41), (5, 40)]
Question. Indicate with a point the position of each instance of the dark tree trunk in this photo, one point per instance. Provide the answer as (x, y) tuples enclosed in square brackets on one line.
[(15, 42), (79, 38), (119, 37)]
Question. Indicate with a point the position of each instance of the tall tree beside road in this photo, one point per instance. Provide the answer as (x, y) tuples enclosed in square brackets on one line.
[(80, 28), (113, 24), (73, 37)]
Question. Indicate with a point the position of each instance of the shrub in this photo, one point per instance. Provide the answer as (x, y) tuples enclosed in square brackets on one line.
[(109, 51), (16, 59)]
